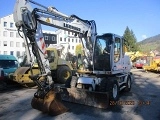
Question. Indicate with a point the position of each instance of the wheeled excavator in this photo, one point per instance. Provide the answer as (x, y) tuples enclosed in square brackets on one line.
[(107, 68)]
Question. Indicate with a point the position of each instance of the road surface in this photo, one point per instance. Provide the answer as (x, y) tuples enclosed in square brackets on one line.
[(144, 96)]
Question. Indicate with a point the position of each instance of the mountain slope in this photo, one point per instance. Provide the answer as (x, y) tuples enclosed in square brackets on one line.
[(152, 43)]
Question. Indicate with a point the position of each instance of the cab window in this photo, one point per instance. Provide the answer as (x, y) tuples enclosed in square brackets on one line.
[(117, 49), (51, 56)]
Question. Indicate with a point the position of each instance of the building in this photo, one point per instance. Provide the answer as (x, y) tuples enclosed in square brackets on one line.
[(10, 41), (12, 44), (50, 37), (68, 39)]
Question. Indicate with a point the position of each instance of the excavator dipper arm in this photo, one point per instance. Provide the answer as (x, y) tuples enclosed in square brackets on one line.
[(45, 99)]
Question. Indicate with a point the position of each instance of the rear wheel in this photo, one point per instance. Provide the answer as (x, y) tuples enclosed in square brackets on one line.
[(128, 84), (63, 74)]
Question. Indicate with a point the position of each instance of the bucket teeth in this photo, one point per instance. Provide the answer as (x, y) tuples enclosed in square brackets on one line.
[(50, 104)]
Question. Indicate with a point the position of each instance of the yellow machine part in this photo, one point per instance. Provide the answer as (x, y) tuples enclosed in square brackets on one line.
[(21, 75), (153, 65)]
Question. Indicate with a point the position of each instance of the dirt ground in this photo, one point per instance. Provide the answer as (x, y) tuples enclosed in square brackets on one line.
[(145, 93)]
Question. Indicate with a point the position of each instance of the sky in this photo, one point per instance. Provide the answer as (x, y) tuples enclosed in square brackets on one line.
[(111, 16)]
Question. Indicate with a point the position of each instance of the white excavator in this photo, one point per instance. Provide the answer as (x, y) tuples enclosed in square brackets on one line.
[(106, 71)]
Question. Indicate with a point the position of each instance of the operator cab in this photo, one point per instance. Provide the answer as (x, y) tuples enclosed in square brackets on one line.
[(108, 54)]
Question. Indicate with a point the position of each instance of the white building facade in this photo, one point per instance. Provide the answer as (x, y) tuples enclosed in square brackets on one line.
[(68, 39), (10, 41), (12, 44)]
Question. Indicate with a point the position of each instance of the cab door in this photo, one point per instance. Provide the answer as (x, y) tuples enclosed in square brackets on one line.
[(117, 54)]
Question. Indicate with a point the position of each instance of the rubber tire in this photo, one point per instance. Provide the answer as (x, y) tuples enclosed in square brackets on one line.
[(112, 83), (60, 77), (103, 85), (107, 86), (67, 83), (127, 89)]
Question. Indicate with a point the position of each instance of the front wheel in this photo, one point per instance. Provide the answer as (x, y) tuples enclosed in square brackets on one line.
[(110, 86), (114, 91)]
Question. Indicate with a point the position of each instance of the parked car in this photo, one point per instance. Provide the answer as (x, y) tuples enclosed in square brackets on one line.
[(139, 63)]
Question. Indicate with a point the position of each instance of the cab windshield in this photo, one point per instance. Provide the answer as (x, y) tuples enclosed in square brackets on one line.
[(102, 52), (102, 45)]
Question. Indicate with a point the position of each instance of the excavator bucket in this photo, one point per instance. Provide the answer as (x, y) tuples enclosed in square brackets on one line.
[(51, 104), (81, 96)]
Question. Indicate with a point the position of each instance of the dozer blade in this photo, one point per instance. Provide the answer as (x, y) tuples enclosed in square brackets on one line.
[(81, 96), (50, 104)]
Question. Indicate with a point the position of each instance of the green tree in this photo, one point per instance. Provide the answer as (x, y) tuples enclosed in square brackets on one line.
[(79, 49), (130, 40)]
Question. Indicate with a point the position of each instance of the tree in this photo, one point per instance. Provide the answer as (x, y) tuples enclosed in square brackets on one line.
[(79, 49), (130, 40)]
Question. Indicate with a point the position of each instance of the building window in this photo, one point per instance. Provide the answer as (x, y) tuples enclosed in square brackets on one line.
[(53, 38), (11, 25), (69, 47), (17, 44), (46, 37), (23, 45), (64, 39), (5, 52), (5, 24), (11, 52), (18, 53), (72, 33), (76, 40), (68, 40), (23, 52), (72, 47), (72, 40), (5, 33), (11, 44), (11, 34), (64, 32), (17, 35), (4, 43), (68, 33), (79, 41), (60, 38)]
